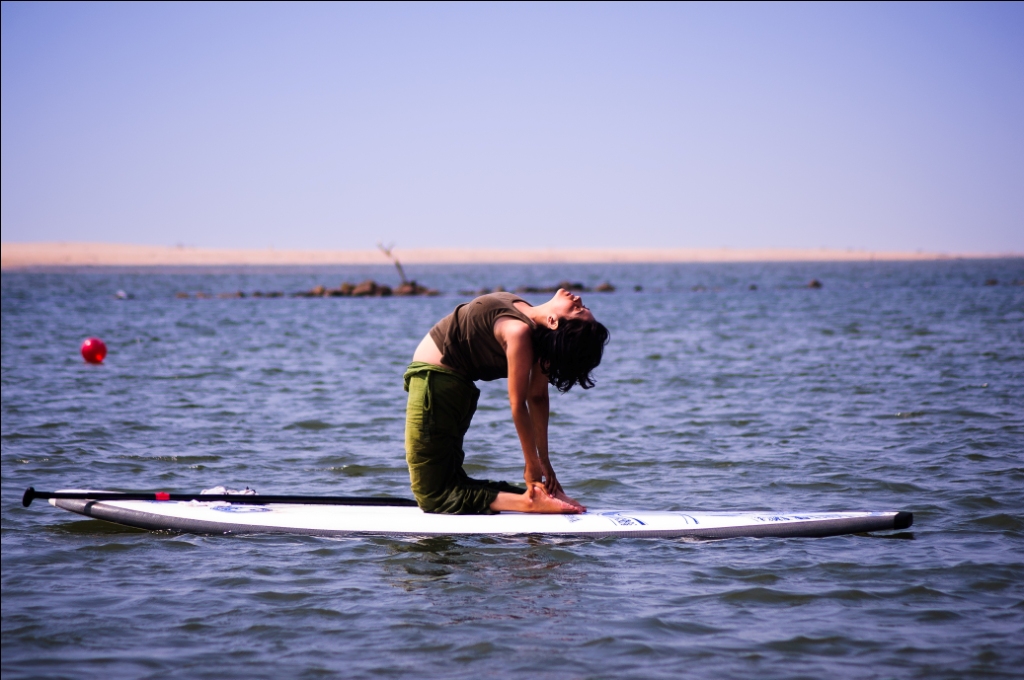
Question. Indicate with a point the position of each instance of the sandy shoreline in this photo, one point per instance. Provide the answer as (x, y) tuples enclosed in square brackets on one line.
[(29, 255)]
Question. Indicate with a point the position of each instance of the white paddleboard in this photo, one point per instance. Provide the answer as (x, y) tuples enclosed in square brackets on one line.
[(340, 520)]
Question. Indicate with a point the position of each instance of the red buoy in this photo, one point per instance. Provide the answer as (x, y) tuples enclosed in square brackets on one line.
[(94, 350)]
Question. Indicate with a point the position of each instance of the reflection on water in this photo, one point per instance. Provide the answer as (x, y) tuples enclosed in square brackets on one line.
[(488, 580)]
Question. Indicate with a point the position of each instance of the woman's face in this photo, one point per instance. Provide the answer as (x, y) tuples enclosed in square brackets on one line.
[(565, 305)]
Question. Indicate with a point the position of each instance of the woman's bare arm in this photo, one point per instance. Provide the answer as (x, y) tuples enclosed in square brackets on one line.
[(539, 414), (516, 337), (528, 397)]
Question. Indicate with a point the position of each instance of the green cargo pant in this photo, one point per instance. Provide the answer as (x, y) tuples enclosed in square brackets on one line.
[(441, 406)]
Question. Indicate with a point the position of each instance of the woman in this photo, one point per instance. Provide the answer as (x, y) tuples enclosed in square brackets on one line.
[(495, 336)]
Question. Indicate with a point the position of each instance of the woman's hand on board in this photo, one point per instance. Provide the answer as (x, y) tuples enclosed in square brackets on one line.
[(551, 482), (535, 472)]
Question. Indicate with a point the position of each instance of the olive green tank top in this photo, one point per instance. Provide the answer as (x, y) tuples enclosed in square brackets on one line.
[(466, 336)]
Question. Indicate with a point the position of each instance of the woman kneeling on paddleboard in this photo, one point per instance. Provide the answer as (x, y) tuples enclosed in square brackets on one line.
[(495, 336)]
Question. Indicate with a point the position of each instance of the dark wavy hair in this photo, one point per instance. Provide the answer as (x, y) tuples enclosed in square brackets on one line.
[(569, 353)]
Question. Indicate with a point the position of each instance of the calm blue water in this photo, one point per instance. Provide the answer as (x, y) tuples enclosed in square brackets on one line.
[(895, 386)]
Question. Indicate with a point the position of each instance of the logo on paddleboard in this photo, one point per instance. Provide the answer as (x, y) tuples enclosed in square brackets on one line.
[(623, 520), (799, 518), (240, 508)]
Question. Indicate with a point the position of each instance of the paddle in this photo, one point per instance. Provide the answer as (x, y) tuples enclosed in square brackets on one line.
[(253, 499)]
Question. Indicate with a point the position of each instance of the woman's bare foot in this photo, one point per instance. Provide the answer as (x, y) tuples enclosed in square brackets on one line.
[(561, 495), (536, 499)]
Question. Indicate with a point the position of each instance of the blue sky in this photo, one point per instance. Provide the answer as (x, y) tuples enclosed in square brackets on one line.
[(869, 126)]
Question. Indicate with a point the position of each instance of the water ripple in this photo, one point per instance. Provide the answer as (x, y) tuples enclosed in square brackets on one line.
[(895, 386)]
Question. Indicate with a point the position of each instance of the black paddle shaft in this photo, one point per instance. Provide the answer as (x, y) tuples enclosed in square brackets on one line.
[(248, 499)]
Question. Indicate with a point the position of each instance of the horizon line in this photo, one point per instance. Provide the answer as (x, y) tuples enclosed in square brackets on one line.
[(16, 255)]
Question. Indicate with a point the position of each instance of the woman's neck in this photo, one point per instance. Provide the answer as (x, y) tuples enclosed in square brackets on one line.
[(538, 314)]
